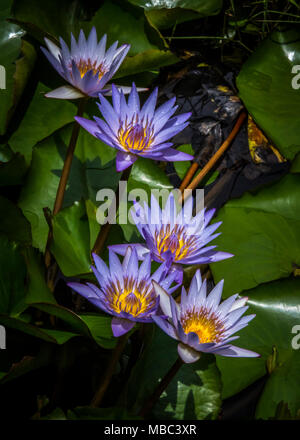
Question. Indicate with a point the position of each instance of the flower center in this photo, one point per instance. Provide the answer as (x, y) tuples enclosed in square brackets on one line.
[(204, 323), (170, 243), (85, 66), (134, 136), (175, 241), (135, 298)]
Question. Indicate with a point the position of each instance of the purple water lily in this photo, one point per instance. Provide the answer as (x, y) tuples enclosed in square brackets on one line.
[(200, 323), (136, 131), (126, 290), (175, 238), (87, 66)]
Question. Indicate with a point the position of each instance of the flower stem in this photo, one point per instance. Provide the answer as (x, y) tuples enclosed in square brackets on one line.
[(64, 176), (103, 233), (68, 161), (160, 388), (195, 182), (115, 356)]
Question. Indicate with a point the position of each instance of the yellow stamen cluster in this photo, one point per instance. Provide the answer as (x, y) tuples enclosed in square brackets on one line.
[(204, 323), (86, 65), (182, 247), (135, 135), (134, 298)]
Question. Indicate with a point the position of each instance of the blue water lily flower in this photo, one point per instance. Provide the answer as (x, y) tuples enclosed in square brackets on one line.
[(201, 323), (136, 131), (176, 238), (87, 66), (126, 291)]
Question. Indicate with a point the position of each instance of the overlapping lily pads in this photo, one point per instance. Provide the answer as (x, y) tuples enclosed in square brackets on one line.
[(262, 230), (166, 13), (10, 49), (265, 85), (92, 169), (277, 311), (194, 392)]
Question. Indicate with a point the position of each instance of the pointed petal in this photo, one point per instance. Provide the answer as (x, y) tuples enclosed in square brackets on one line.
[(53, 48), (218, 256), (124, 160), (120, 326), (88, 125), (134, 101), (173, 155), (120, 249), (187, 354), (108, 113), (214, 298), (65, 92), (115, 266), (148, 108), (55, 63), (165, 326), (241, 302), (125, 89), (164, 299), (233, 351)]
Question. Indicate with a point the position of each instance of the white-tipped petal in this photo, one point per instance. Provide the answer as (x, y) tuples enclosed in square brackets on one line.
[(164, 299), (65, 92), (53, 48), (188, 354)]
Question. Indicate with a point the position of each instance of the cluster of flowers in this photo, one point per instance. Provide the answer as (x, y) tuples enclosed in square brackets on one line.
[(129, 291)]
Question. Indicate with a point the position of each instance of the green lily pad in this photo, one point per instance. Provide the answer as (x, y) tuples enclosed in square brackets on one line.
[(13, 224), (128, 25), (164, 14), (182, 167), (265, 86), (10, 49), (5, 8), (295, 168), (25, 327), (262, 230), (93, 168), (71, 241), (13, 171), (276, 306), (100, 328), (145, 175), (13, 277), (37, 289), (90, 325), (24, 67), (204, 7), (120, 24), (146, 61), (66, 315), (193, 394), (43, 117), (55, 17)]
